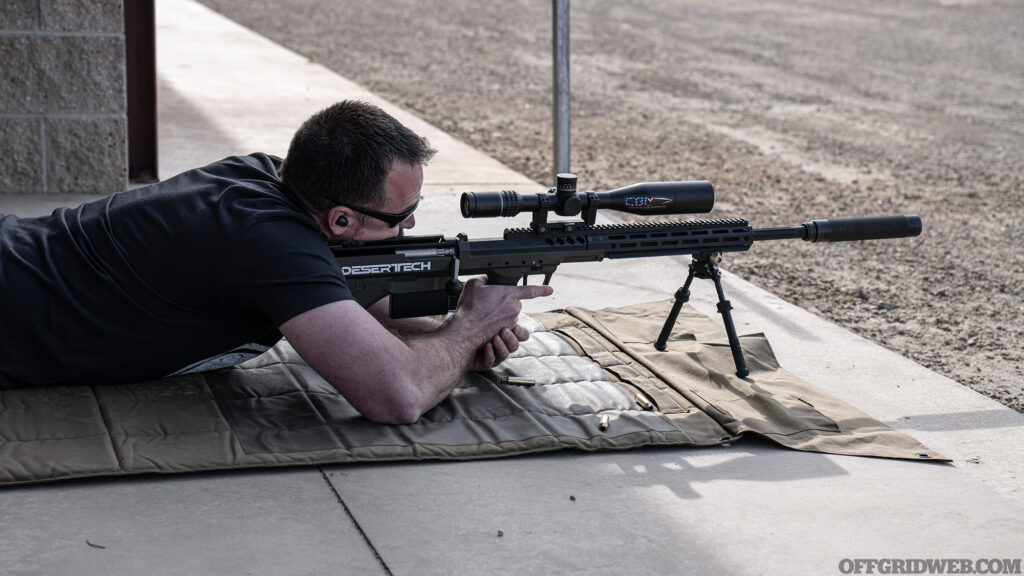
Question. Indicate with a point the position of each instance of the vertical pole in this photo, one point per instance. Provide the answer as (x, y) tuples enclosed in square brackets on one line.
[(140, 76), (560, 45)]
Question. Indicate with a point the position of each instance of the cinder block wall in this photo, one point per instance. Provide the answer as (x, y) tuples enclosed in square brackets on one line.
[(63, 126)]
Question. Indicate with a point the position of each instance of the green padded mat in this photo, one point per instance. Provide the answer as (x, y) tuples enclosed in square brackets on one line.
[(600, 385)]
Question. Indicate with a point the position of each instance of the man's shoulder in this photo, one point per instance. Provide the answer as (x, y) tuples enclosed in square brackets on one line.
[(212, 208), (248, 184), (257, 171), (257, 162)]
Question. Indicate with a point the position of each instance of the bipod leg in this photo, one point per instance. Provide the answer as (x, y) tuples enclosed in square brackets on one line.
[(682, 297), (704, 265), (725, 309)]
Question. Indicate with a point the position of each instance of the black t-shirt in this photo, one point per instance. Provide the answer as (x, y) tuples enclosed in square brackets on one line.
[(150, 282)]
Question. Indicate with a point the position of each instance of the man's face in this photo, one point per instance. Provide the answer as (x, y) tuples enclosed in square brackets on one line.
[(402, 192)]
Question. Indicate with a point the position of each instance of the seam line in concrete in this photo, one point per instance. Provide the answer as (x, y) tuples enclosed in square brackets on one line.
[(355, 522)]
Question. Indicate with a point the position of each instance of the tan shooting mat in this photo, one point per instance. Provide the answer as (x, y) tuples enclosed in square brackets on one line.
[(599, 384)]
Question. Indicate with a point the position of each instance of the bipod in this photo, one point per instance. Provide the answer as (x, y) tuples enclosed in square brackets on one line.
[(705, 266)]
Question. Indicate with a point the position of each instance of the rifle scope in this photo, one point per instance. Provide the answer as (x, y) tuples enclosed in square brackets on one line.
[(649, 198)]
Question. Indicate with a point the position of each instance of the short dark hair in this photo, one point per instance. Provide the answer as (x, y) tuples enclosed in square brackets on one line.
[(343, 153)]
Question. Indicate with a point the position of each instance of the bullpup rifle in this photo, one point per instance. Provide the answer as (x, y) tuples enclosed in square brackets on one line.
[(421, 273)]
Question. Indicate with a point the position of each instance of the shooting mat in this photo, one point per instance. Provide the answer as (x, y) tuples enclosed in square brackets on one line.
[(600, 385)]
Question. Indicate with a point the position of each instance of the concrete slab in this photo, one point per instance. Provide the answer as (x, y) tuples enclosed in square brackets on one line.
[(751, 508), (269, 522), (747, 508)]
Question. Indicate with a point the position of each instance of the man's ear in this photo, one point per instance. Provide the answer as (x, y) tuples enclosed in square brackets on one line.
[(340, 220)]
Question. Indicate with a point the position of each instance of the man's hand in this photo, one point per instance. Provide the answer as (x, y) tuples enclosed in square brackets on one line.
[(488, 314), (499, 348), (490, 354), (493, 310)]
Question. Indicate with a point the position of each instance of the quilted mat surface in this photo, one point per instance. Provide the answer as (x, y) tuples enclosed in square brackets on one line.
[(599, 384)]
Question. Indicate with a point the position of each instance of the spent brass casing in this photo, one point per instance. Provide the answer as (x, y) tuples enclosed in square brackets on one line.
[(643, 401)]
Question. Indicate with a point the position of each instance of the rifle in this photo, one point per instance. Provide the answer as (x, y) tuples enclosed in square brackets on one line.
[(421, 273)]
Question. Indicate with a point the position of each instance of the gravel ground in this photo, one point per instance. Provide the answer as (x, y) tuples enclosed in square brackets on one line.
[(795, 110)]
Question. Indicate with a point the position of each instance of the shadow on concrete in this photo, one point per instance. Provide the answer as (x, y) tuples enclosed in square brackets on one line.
[(754, 460), (188, 138), (978, 420)]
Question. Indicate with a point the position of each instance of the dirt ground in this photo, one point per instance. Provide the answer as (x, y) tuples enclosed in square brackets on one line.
[(796, 110)]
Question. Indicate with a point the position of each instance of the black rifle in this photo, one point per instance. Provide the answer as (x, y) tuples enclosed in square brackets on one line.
[(421, 273)]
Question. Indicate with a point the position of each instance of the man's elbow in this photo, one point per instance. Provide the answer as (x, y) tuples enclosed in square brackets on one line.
[(392, 413), (391, 405)]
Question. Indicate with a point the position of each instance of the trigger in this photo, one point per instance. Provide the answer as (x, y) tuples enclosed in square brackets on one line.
[(547, 278)]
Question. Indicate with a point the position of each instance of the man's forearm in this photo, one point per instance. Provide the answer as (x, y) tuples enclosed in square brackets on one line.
[(393, 379), (440, 354), (443, 358), (386, 378)]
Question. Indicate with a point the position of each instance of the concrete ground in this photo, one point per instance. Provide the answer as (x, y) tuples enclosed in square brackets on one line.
[(748, 508)]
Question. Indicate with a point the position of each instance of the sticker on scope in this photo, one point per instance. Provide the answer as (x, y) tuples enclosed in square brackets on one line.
[(647, 202)]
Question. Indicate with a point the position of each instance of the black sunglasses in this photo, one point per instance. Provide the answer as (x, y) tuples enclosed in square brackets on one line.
[(389, 218)]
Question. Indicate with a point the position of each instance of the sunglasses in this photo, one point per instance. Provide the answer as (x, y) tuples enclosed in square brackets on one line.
[(389, 218)]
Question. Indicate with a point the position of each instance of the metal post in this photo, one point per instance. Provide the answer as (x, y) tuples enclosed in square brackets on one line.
[(140, 78), (560, 44)]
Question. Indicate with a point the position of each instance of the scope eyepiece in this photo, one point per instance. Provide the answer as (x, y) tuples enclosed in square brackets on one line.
[(490, 204)]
